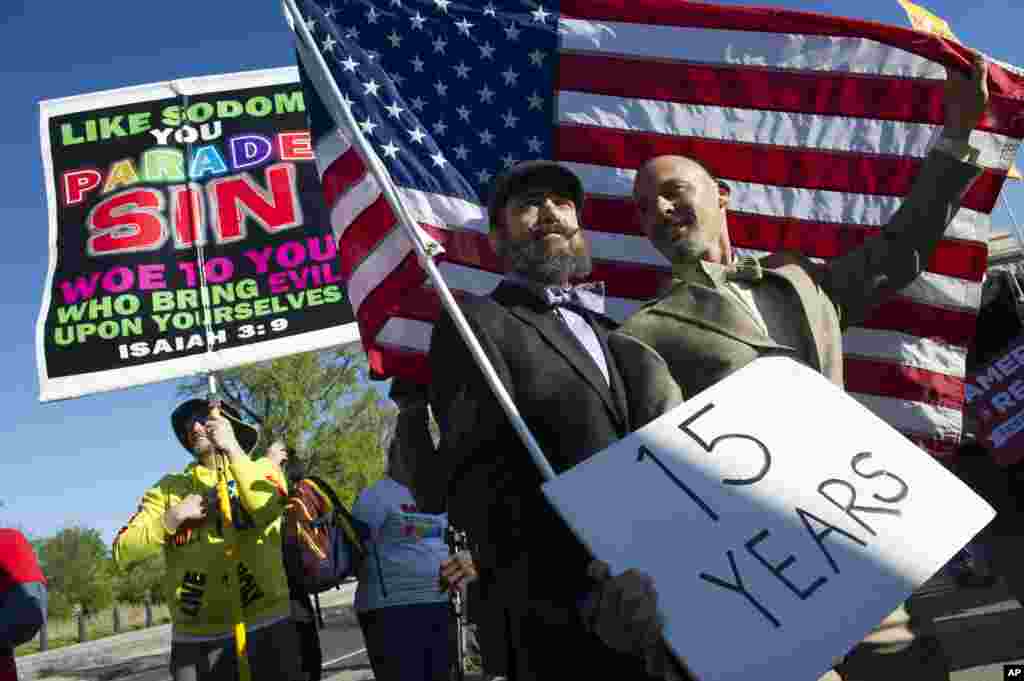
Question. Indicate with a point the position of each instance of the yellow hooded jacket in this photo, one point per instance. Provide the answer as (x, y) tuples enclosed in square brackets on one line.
[(195, 583)]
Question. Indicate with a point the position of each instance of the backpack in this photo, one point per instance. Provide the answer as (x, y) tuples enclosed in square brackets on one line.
[(323, 543)]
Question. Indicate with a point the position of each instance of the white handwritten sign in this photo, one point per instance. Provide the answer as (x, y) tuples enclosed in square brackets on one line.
[(780, 519)]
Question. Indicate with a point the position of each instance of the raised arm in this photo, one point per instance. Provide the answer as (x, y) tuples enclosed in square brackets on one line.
[(862, 278), (262, 488)]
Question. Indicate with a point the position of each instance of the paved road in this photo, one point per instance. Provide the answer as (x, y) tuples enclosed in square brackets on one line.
[(980, 628), (341, 640), (143, 655)]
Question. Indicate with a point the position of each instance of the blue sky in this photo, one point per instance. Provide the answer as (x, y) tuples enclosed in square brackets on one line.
[(87, 461)]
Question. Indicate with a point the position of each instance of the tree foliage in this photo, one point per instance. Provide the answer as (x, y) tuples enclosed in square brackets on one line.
[(78, 571), (141, 581), (320, 404)]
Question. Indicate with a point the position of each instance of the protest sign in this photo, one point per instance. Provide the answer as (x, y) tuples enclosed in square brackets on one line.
[(188, 233), (994, 395), (779, 518)]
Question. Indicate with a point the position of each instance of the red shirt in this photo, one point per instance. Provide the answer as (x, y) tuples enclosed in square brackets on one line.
[(18, 565), (18, 562)]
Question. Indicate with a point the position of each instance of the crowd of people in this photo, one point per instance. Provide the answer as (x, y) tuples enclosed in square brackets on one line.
[(403, 580), (580, 384), (545, 608)]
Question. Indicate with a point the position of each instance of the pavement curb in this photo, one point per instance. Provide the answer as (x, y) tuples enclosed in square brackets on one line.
[(110, 657)]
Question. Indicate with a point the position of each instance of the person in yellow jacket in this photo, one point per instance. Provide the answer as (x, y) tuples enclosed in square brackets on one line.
[(180, 516)]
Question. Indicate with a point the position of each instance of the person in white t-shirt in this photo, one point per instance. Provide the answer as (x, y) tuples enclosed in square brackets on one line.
[(404, 615)]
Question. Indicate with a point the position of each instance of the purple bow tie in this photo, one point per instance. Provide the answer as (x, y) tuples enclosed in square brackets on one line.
[(589, 296)]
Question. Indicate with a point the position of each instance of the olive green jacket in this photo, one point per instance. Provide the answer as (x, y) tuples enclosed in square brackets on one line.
[(704, 333)]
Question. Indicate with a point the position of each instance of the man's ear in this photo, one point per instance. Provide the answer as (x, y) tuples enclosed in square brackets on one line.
[(724, 243), (724, 194)]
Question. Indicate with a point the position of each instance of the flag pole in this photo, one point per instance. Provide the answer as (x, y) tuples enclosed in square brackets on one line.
[(425, 252), (1013, 221)]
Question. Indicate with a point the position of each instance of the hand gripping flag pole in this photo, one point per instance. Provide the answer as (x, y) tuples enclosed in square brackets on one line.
[(425, 252), (317, 69)]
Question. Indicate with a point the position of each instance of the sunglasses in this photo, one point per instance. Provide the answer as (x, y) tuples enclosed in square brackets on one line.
[(201, 419)]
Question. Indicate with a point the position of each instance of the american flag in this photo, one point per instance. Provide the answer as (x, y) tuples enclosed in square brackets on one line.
[(819, 125)]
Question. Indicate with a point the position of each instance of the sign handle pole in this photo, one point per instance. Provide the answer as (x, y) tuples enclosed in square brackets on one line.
[(332, 98), (231, 550)]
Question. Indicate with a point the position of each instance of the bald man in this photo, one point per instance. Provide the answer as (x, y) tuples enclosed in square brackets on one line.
[(721, 313)]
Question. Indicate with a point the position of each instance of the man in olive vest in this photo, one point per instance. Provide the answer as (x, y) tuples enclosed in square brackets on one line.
[(721, 313)]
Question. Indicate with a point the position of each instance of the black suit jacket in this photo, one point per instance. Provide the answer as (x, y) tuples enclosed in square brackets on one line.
[(486, 476)]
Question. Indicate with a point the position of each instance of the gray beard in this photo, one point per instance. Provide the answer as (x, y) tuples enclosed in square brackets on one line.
[(529, 260)]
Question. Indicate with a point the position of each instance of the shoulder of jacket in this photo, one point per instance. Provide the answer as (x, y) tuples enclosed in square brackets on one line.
[(368, 492), (13, 542), (662, 299), (788, 257), (481, 306), (793, 260), (11, 534), (474, 307), (653, 302), (173, 481)]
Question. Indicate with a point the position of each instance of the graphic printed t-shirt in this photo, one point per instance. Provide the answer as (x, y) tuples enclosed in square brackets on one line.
[(404, 552)]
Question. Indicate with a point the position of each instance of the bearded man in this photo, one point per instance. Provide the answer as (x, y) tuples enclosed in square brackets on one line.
[(580, 387)]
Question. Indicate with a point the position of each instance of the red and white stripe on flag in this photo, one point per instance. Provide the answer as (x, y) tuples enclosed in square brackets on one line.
[(818, 124)]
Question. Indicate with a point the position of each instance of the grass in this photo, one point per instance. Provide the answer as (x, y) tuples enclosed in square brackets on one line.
[(64, 632)]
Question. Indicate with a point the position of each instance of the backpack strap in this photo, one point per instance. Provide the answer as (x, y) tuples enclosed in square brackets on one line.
[(348, 523)]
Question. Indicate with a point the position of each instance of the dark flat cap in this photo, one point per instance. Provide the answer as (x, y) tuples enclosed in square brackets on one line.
[(527, 174)]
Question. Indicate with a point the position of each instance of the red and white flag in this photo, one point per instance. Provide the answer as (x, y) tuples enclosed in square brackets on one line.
[(819, 125)]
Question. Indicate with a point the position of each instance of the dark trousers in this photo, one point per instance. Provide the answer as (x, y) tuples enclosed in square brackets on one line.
[(409, 642), (491, 620), (309, 645), (273, 654)]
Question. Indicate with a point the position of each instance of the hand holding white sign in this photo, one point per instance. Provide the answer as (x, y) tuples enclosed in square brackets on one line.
[(779, 518)]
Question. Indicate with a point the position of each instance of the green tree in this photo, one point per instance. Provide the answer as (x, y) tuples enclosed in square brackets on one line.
[(321, 404), (141, 581), (349, 461), (77, 566)]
